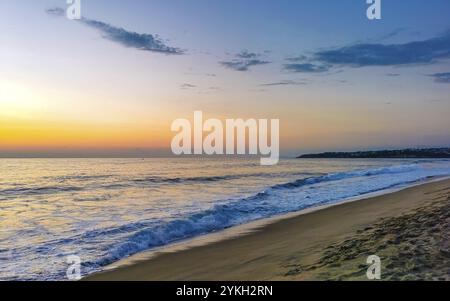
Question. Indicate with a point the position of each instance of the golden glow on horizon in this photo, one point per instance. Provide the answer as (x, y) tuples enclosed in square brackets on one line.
[(25, 134), (36, 116), (42, 118)]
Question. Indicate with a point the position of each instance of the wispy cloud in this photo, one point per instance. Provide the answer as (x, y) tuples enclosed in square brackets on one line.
[(386, 36), (187, 86), (245, 54), (393, 33), (296, 59), (146, 42), (243, 65), (443, 78), (374, 54), (306, 68), (362, 55), (284, 83), (244, 60), (56, 11)]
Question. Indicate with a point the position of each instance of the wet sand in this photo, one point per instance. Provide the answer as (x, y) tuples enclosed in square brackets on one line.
[(409, 231)]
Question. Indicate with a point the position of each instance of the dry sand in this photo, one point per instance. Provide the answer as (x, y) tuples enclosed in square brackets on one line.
[(408, 230)]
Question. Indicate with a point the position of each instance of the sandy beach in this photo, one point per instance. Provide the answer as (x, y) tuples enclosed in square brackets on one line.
[(407, 229)]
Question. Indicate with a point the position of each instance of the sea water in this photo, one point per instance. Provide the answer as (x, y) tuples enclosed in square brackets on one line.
[(103, 210)]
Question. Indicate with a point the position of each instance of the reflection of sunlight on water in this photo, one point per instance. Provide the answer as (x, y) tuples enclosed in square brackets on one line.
[(51, 208)]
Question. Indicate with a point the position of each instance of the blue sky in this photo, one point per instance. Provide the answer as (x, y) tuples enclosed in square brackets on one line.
[(335, 79)]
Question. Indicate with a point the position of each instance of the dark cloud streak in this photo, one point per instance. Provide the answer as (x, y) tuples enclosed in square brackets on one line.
[(362, 55), (284, 83), (306, 68), (145, 42), (443, 78), (243, 65), (243, 61), (375, 54), (187, 86), (245, 54)]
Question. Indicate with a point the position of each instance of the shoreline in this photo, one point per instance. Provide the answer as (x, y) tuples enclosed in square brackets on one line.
[(139, 266), (247, 228)]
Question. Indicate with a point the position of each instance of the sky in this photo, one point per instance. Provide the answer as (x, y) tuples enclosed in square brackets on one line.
[(112, 83)]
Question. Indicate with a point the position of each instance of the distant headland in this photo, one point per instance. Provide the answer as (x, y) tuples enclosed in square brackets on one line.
[(401, 153)]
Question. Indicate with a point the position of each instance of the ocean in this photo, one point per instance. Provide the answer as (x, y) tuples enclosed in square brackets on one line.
[(104, 210)]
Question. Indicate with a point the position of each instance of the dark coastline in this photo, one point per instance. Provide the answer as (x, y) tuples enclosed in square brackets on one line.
[(428, 153)]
